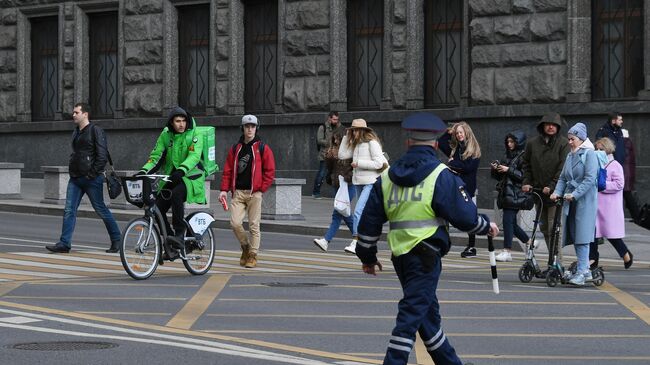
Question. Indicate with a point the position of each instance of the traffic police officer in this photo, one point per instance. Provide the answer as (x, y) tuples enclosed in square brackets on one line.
[(418, 195)]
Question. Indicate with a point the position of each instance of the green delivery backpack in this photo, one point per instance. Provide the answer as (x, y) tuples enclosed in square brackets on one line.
[(208, 158)]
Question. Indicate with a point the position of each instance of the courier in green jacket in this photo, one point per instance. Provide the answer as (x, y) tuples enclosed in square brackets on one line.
[(178, 154)]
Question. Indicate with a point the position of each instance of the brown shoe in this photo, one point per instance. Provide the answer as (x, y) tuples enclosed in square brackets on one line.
[(252, 260), (244, 255)]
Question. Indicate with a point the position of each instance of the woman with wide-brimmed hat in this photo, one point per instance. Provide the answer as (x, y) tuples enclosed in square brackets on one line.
[(362, 144)]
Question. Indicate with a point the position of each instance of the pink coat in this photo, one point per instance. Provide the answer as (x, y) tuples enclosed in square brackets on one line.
[(610, 221)]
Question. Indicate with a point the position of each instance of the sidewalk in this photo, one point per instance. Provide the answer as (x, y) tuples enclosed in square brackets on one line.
[(317, 214)]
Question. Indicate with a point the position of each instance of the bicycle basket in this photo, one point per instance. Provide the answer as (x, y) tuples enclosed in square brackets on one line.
[(137, 191)]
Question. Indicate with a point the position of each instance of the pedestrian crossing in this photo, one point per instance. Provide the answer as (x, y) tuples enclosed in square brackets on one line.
[(90, 263)]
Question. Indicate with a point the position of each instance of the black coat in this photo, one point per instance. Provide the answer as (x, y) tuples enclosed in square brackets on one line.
[(89, 152), (509, 186)]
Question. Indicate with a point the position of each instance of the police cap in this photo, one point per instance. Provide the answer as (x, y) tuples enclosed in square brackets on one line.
[(423, 126)]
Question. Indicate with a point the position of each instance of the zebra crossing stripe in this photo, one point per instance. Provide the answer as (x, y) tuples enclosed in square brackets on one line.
[(38, 274)]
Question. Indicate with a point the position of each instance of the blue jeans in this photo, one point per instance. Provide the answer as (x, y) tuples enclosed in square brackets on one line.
[(336, 219), (363, 192), (320, 176), (94, 188), (582, 253), (510, 228)]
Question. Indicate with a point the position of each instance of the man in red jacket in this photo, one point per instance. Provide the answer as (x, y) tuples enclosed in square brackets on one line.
[(249, 171)]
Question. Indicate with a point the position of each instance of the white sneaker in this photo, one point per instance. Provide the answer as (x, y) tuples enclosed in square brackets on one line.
[(504, 256), (321, 243), (351, 248), (588, 275)]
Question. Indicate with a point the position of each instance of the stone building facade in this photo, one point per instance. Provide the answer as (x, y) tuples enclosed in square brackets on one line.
[(511, 62)]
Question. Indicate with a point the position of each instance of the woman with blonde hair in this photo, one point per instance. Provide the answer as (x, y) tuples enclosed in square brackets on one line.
[(362, 145), (610, 219), (461, 146)]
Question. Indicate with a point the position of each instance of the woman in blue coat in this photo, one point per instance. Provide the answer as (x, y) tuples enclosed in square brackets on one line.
[(577, 184)]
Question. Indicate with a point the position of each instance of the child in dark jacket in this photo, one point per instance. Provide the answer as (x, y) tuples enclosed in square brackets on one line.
[(511, 198), (461, 146), (336, 167)]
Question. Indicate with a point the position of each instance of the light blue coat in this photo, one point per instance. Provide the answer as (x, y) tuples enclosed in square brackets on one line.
[(579, 179)]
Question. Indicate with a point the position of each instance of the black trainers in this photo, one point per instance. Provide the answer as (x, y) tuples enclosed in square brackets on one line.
[(58, 248), (115, 247), (468, 252)]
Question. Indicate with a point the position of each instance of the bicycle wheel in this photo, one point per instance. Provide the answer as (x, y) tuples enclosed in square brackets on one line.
[(140, 249), (200, 254)]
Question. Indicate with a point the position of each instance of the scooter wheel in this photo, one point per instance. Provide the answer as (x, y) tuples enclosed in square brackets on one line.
[(599, 276), (526, 272), (552, 278)]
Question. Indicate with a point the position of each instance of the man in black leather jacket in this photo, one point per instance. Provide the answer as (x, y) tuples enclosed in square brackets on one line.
[(86, 167)]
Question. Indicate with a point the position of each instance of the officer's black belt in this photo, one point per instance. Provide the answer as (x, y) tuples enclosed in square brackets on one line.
[(436, 222)]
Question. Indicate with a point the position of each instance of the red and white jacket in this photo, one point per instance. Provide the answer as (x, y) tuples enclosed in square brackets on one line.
[(263, 168)]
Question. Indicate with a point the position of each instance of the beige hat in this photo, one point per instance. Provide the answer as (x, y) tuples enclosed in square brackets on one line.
[(359, 123)]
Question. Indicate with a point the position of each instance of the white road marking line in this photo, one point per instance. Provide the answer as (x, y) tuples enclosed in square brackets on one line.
[(19, 320), (39, 274), (173, 340), (58, 267), (46, 242), (73, 258)]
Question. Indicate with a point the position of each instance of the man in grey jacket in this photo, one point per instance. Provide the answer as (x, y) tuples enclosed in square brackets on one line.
[(323, 139)]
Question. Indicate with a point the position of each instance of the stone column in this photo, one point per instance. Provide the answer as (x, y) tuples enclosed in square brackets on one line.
[(236, 59), (645, 93), (170, 57), (466, 50), (387, 72), (23, 68), (282, 38), (415, 54), (338, 56), (79, 45), (578, 51)]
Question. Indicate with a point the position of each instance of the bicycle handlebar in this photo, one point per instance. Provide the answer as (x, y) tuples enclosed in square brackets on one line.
[(155, 176)]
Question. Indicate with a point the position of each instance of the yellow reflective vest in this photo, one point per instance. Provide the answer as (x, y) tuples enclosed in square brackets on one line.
[(409, 211)]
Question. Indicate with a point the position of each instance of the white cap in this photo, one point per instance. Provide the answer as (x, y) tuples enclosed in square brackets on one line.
[(249, 119)]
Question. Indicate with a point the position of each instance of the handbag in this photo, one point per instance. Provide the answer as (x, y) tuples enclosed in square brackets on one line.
[(112, 181), (342, 198)]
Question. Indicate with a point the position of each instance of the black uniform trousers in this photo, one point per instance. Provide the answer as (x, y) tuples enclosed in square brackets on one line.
[(418, 272)]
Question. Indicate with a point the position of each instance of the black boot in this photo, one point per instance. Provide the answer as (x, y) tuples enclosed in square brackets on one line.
[(115, 247), (178, 239)]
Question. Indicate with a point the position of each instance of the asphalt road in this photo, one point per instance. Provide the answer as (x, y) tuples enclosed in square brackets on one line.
[(300, 306)]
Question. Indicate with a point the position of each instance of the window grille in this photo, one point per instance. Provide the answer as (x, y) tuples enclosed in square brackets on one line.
[(45, 67), (617, 49), (365, 53), (103, 63), (443, 52), (193, 57), (260, 59)]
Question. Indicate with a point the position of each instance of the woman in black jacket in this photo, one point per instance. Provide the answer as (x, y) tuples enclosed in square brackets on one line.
[(511, 198)]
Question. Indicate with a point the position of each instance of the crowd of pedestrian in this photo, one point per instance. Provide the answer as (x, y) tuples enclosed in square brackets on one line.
[(419, 196)]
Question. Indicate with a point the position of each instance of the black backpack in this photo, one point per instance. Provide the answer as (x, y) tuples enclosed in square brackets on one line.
[(643, 219)]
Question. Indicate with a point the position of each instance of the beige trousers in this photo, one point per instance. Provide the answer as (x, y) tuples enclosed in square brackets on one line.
[(244, 203)]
